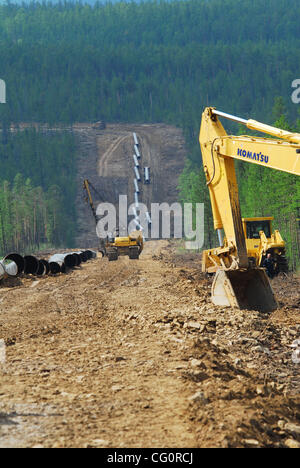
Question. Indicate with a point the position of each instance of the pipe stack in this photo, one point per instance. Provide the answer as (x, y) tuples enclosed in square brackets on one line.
[(15, 265)]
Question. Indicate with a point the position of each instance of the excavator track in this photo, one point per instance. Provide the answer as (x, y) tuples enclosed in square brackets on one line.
[(112, 255), (281, 264), (134, 253)]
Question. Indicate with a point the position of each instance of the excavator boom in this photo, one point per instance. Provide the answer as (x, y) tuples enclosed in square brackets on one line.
[(263, 151), (237, 282), (86, 186)]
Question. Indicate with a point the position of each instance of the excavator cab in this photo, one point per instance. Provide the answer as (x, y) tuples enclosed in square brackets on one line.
[(253, 226), (261, 240)]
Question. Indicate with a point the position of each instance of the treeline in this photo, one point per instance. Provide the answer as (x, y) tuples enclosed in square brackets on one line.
[(37, 190), (30, 217), (262, 191), (151, 61)]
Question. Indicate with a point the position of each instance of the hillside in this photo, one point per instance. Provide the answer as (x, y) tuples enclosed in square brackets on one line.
[(148, 62), (105, 158)]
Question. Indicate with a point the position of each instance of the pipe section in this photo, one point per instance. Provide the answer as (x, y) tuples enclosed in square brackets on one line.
[(31, 265)]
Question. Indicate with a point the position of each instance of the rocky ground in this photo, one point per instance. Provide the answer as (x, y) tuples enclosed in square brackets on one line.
[(133, 354)]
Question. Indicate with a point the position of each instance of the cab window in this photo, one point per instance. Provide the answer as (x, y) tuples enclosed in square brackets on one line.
[(253, 228)]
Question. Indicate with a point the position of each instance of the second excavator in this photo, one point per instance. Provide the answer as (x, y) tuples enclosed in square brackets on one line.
[(239, 279), (114, 246)]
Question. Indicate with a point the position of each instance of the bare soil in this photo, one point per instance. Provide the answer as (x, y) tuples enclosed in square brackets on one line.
[(133, 354), (106, 160)]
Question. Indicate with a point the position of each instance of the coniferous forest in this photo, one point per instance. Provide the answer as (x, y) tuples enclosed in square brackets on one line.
[(37, 190), (149, 61)]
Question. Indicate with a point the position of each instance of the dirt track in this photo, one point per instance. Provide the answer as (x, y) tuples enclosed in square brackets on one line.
[(133, 354), (105, 159)]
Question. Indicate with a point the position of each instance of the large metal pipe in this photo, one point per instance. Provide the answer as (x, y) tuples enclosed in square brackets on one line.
[(136, 200), (56, 267), (136, 186), (18, 260), (14, 264), (135, 139), (70, 261), (83, 256), (148, 217), (88, 254), (65, 258), (10, 268), (2, 271), (137, 151), (136, 221), (137, 174), (46, 266), (92, 253), (77, 258), (31, 265), (135, 160), (41, 271), (59, 263)]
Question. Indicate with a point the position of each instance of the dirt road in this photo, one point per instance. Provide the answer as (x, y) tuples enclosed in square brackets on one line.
[(133, 354)]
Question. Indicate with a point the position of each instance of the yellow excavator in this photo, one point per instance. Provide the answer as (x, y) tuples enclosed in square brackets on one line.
[(114, 246), (260, 241), (239, 279)]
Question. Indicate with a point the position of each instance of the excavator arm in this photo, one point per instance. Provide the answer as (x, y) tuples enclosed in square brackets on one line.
[(236, 282), (89, 199)]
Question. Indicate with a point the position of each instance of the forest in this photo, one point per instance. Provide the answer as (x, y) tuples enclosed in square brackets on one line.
[(37, 190), (151, 61)]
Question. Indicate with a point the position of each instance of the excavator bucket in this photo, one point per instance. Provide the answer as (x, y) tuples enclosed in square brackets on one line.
[(244, 289)]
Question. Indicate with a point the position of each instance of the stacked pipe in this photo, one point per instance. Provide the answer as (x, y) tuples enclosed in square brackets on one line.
[(15, 264), (136, 157)]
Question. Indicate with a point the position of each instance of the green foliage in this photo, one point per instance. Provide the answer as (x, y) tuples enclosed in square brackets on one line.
[(149, 61), (268, 192), (37, 190), (153, 61)]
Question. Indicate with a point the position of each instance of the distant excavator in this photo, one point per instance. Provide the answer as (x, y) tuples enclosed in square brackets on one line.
[(114, 245), (239, 279)]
